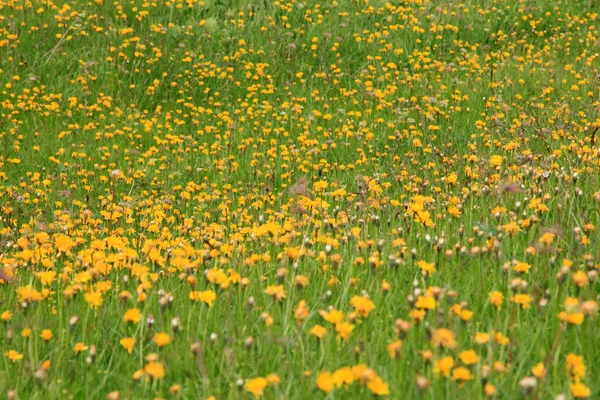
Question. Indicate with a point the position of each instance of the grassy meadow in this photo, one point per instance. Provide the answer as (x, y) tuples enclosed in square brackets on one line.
[(299, 199)]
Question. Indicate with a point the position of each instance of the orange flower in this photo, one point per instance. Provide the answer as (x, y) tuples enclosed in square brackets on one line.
[(207, 296), (128, 343), (154, 370), (79, 347), (13, 355), (256, 386), (318, 331), (443, 337), (325, 382), (162, 339), (344, 330), (132, 315), (362, 305), (46, 334)]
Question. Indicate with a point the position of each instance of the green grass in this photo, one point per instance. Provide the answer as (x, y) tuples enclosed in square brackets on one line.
[(225, 116)]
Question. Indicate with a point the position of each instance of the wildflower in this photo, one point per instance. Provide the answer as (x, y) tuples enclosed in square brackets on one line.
[(539, 370), (425, 302), (461, 374), (273, 379), (500, 339), (378, 387), (528, 384), (362, 305), (46, 335), (496, 161), (468, 357), (6, 316), (512, 228), (162, 339), (489, 389), (575, 366), (277, 292), (496, 298), (482, 337), (301, 312), (128, 343), (523, 300), (79, 347), (443, 337), (132, 315), (256, 386), (94, 299), (13, 355), (333, 316), (154, 370), (207, 296), (427, 267), (318, 331), (522, 267), (325, 382), (343, 376), (579, 390), (443, 366), (394, 348), (344, 330), (580, 279)]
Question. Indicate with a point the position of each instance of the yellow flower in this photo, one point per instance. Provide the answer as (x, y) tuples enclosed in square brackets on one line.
[(443, 337), (207, 296), (468, 357), (394, 348), (579, 390), (277, 292), (522, 299), (46, 334), (362, 305), (162, 339), (301, 312), (580, 279), (461, 374), (511, 228), (26, 332), (539, 370), (13, 355), (489, 389), (496, 298), (522, 267), (154, 370), (496, 161), (94, 299), (128, 343), (6, 316), (425, 302), (378, 387), (427, 267), (79, 347), (575, 318), (344, 330), (500, 339), (273, 379), (325, 382), (318, 331), (575, 366), (343, 376), (132, 315), (333, 316), (443, 366), (29, 294), (482, 337), (256, 386)]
